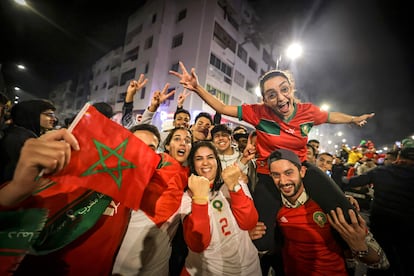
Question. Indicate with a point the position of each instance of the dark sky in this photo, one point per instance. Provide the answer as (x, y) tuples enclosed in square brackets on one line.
[(358, 55)]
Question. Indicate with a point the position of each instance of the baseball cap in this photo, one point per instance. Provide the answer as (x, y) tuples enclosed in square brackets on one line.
[(286, 155), (222, 127), (240, 132)]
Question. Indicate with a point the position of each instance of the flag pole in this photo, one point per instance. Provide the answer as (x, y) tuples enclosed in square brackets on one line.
[(70, 129)]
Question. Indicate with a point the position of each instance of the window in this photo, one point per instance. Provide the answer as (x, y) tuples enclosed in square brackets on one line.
[(107, 68), (250, 87), (242, 53), (143, 92), (104, 85), (175, 67), (132, 34), (239, 78), (148, 42), (223, 38), (146, 68), (96, 87), (154, 18), (181, 15), (218, 93), (253, 64), (121, 97), (233, 22), (128, 75), (256, 41), (132, 54), (177, 40), (267, 58), (222, 66)]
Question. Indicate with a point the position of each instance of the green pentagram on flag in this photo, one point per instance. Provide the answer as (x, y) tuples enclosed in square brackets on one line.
[(101, 167)]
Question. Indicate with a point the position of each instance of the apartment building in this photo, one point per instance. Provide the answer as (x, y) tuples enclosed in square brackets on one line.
[(215, 37)]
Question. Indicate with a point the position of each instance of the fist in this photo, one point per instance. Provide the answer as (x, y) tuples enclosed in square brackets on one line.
[(231, 176), (199, 185)]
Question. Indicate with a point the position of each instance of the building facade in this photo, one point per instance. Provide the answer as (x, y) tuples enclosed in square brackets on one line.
[(214, 37)]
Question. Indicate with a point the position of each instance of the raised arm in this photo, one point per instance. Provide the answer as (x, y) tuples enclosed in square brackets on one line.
[(157, 99), (128, 106), (190, 81), (181, 98), (342, 118)]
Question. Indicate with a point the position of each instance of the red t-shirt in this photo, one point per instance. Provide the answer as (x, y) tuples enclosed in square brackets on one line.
[(274, 133)]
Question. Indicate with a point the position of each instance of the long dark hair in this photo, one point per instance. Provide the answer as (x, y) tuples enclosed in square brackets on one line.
[(218, 181), (170, 135)]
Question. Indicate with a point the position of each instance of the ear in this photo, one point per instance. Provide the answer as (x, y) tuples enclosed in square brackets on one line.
[(302, 171)]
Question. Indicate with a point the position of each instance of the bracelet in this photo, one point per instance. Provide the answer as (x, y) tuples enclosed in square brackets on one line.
[(200, 198), (360, 254), (352, 119)]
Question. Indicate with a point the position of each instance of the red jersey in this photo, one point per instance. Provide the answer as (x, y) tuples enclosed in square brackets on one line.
[(274, 133), (309, 246)]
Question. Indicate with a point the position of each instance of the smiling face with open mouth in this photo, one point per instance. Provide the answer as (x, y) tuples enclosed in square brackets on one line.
[(180, 145), (278, 95), (205, 163), (287, 178)]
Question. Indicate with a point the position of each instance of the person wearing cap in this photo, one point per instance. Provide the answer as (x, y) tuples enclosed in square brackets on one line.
[(240, 135), (392, 212), (281, 121), (309, 244), (228, 154)]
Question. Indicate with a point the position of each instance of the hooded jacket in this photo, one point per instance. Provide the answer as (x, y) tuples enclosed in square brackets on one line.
[(26, 124)]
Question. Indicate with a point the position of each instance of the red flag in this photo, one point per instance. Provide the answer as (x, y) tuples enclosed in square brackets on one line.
[(111, 161)]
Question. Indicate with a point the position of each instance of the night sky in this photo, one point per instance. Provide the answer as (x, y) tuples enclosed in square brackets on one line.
[(358, 55)]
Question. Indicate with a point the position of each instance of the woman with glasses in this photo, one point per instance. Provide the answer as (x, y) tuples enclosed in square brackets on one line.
[(281, 121)]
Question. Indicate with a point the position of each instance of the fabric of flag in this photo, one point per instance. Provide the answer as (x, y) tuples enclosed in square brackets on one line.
[(162, 197), (111, 159)]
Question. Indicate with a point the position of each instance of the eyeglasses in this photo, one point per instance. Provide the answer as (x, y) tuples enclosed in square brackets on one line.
[(49, 114), (272, 95)]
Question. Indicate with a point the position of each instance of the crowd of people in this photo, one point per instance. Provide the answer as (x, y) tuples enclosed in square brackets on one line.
[(229, 202)]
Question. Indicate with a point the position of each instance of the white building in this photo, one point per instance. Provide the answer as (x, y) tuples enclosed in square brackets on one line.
[(214, 37)]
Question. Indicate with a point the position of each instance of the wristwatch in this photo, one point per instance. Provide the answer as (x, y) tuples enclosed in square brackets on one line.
[(360, 254), (236, 188)]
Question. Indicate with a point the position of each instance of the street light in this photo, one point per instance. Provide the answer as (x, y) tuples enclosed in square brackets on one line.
[(292, 52), (21, 67), (21, 2)]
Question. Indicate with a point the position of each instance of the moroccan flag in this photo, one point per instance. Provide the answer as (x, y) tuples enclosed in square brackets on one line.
[(111, 159)]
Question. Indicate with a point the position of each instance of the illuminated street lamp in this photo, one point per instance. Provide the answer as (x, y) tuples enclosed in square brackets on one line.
[(21, 67), (21, 2), (292, 52)]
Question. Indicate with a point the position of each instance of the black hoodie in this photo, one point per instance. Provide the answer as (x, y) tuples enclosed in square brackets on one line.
[(26, 124)]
